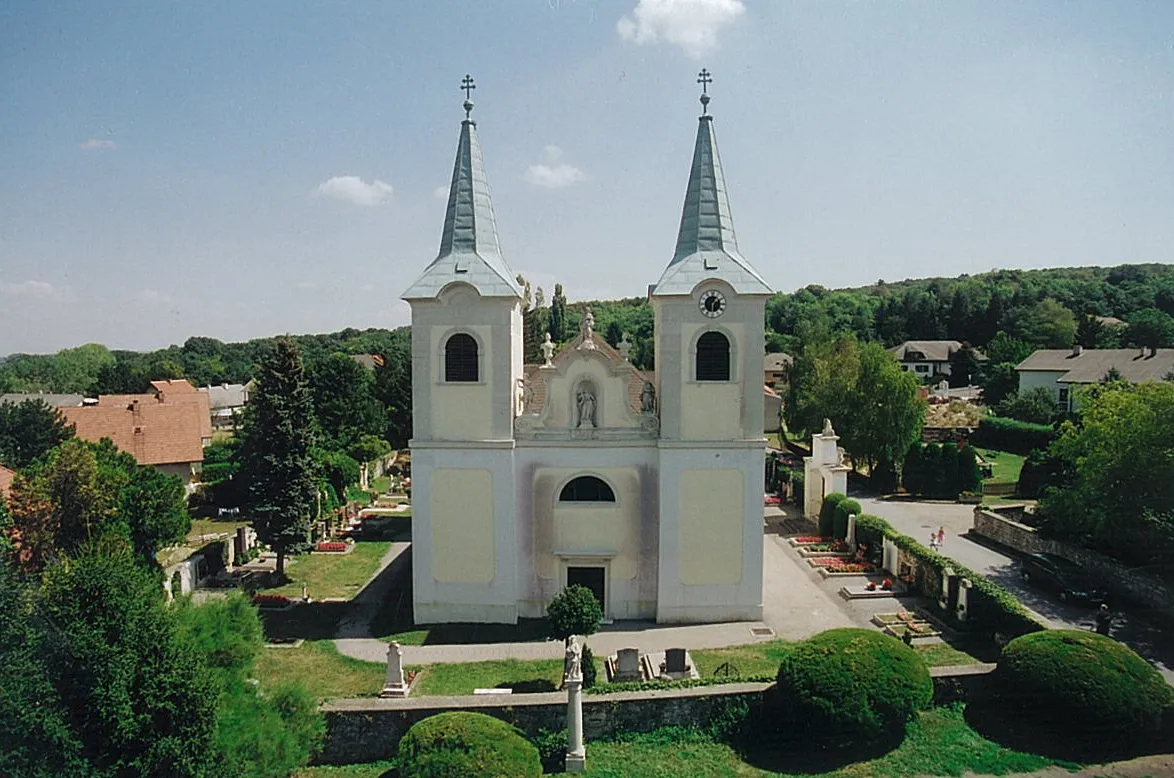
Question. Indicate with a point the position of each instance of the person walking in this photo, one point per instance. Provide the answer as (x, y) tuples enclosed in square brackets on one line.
[(933, 541), (1104, 619), (941, 537)]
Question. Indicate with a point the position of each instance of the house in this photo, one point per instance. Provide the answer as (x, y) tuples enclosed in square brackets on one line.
[(645, 487), (774, 369), (6, 478), (928, 358), (369, 361), (1060, 371), (772, 410), (227, 403), (167, 427), (52, 400)]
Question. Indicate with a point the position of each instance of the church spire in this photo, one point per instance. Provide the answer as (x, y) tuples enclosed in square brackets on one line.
[(706, 246), (469, 251)]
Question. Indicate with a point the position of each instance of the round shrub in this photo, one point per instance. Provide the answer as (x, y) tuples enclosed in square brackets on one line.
[(466, 745), (848, 686), (827, 512), (1081, 680), (844, 509)]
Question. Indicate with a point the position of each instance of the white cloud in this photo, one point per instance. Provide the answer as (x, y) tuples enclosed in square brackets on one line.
[(35, 290), (354, 190), (551, 173), (98, 144), (690, 24), (441, 192)]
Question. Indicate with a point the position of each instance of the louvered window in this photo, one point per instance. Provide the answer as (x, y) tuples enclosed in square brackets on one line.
[(460, 358), (713, 357)]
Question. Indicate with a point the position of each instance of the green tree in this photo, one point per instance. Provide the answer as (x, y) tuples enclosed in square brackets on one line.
[(558, 315), (1048, 324), (345, 403), (1036, 406), (118, 689), (885, 413), (964, 366), (277, 465), (1120, 498), (393, 386), (1150, 328), (28, 431)]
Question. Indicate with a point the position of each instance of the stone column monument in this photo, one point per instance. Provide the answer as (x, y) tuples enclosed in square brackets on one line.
[(576, 759), (394, 686)]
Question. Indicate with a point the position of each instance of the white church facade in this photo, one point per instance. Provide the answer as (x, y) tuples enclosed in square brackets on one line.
[(646, 487)]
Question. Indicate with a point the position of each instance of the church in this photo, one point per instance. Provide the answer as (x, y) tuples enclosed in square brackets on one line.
[(646, 487)]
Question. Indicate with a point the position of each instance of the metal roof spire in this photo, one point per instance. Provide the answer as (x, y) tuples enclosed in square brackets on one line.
[(469, 251), (706, 246)]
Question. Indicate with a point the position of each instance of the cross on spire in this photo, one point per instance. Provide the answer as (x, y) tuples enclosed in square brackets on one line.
[(705, 80), (468, 86)]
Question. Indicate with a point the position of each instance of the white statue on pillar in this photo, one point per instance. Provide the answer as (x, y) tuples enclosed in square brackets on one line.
[(587, 327), (576, 758), (547, 351), (625, 347)]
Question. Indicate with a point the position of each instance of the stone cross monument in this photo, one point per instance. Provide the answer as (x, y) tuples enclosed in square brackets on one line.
[(394, 686), (576, 759)]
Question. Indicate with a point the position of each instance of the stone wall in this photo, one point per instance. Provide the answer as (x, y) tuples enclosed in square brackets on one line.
[(1002, 528), (946, 434), (368, 729)]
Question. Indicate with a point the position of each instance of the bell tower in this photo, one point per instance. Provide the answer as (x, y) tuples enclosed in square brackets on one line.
[(466, 367), (709, 309)]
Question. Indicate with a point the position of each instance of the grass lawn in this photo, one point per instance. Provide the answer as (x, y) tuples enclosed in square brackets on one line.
[(333, 575), (1005, 466), (940, 743), (539, 675), (756, 659), (381, 484), (324, 671), (201, 527), (945, 655)]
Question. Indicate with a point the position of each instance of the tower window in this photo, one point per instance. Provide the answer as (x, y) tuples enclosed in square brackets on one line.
[(713, 357), (587, 488), (460, 358)]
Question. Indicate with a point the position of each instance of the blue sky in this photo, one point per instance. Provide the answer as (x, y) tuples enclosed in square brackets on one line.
[(245, 169)]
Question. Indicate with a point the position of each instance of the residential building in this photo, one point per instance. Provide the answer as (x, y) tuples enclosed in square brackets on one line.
[(53, 400), (227, 402), (645, 487), (774, 369), (929, 358), (1062, 371)]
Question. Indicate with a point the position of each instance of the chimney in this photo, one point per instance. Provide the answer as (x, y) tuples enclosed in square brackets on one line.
[(1077, 350)]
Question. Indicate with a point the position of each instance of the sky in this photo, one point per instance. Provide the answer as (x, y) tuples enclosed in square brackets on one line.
[(171, 168)]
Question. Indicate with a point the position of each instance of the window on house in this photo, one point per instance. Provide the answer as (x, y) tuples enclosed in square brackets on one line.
[(713, 357), (587, 488), (1064, 397), (921, 368), (460, 358)]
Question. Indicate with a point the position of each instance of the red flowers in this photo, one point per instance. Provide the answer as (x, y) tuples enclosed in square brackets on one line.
[(331, 545), (807, 539), (837, 565), (262, 600)]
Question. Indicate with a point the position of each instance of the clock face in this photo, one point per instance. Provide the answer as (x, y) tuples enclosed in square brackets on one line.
[(712, 303)]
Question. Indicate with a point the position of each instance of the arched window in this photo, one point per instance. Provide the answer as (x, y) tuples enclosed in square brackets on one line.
[(713, 357), (460, 358), (587, 488)]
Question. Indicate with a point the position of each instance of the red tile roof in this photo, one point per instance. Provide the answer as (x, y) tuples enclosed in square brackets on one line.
[(174, 391), (156, 430)]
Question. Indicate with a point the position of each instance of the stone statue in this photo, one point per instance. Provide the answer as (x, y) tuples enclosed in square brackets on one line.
[(827, 428), (547, 350), (625, 347), (588, 325), (648, 398), (395, 686), (586, 403), (572, 660)]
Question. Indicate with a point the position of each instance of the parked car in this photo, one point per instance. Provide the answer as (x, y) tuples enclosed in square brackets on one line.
[(1064, 577)]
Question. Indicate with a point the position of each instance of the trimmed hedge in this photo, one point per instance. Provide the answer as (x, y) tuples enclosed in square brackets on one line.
[(844, 509), (1012, 435), (827, 513), (466, 745), (991, 606), (1081, 680), (847, 686)]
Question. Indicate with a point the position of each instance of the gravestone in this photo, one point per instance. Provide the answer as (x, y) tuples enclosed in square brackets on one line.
[(674, 661), (394, 686), (628, 665)]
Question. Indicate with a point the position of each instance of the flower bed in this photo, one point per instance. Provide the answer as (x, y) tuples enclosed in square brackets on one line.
[(835, 564), (836, 546), (806, 540), (770, 499), (332, 545), (271, 600)]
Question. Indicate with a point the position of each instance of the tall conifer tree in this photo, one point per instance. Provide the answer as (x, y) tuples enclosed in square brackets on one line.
[(276, 465)]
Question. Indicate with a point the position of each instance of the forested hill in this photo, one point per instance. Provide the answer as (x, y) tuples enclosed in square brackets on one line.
[(1043, 308)]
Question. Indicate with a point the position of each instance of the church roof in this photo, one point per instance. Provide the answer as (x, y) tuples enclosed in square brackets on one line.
[(469, 251), (706, 246)]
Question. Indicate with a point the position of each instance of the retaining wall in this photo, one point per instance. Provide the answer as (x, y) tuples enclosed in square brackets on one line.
[(368, 729), (1139, 586)]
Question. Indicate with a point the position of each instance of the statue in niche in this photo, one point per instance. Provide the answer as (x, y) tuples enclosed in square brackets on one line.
[(648, 398), (585, 402)]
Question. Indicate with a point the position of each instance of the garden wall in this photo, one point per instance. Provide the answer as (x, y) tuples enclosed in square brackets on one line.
[(946, 434), (366, 729), (1144, 588)]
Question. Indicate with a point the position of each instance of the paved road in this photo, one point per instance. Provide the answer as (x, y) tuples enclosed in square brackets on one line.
[(916, 519)]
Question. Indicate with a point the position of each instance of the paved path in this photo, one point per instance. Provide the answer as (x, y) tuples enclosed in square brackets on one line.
[(1000, 565), (356, 624), (794, 605)]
